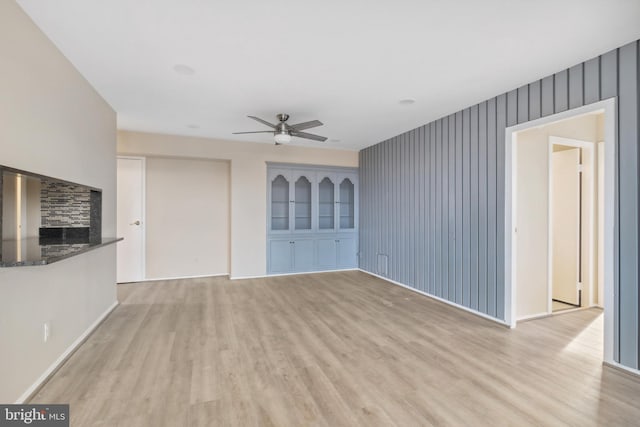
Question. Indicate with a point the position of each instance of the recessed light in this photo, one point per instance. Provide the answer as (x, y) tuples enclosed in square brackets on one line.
[(193, 126), (185, 70), (407, 101)]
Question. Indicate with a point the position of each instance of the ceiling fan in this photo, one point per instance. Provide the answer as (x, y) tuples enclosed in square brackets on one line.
[(282, 132)]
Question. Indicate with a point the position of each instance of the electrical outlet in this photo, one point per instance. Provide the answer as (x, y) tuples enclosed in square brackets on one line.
[(47, 331)]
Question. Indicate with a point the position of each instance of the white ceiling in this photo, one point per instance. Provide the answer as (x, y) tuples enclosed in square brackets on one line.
[(344, 62)]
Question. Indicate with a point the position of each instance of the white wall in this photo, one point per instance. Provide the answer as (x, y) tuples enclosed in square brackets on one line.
[(52, 122), (187, 221), (248, 183), (532, 208)]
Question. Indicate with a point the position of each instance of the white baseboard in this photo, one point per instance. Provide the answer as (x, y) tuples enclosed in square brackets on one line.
[(155, 279), (556, 313), (533, 316), (625, 369), (293, 274), (247, 277), (63, 357), (453, 304)]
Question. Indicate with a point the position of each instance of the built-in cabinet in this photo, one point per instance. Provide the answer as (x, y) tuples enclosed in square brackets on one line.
[(312, 218)]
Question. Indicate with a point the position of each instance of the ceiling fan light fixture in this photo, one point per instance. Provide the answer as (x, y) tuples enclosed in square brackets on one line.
[(282, 138)]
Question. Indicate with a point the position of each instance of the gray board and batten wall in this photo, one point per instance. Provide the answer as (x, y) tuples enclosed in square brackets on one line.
[(432, 200)]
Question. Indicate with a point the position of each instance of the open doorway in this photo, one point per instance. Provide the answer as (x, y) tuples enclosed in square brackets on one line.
[(559, 231), (556, 232)]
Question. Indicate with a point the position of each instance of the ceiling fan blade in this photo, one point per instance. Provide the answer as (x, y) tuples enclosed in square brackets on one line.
[(264, 122), (308, 136), (306, 125), (258, 131)]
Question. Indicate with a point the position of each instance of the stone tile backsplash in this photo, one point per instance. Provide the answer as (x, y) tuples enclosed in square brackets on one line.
[(64, 205)]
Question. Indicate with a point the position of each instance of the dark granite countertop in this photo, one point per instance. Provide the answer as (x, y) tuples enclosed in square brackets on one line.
[(34, 251)]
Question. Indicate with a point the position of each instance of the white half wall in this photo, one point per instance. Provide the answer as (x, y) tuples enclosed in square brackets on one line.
[(248, 187), (52, 122)]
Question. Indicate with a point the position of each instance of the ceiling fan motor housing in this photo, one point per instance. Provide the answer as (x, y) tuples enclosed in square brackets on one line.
[(283, 117)]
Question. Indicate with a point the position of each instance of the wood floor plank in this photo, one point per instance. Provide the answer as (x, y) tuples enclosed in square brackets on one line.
[(333, 349)]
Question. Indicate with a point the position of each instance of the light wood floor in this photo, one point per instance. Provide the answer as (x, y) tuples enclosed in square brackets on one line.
[(333, 349), (561, 306)]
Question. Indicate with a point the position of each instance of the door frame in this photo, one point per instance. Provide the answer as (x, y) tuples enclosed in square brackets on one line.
[(143, 254), (587, 146), (607, 106)]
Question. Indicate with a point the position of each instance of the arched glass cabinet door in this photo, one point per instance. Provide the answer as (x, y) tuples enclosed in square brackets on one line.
[(302, 206), (347, 204), (280, 203), (326, 204)]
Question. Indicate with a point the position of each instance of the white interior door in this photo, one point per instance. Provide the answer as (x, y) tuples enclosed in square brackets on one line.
[(565, 218), (130, 219)]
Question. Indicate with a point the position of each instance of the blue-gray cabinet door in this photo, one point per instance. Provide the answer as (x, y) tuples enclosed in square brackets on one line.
[(280, 256), (303, 255), (327, 203), (280, 202), (347, 252), (302, 195), (347, 202), (327, 252)]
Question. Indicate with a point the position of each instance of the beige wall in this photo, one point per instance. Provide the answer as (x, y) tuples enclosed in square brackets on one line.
[(55, 124), (600, 127), (532, 208), (187, 221), (531, 223), (248, 162)]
